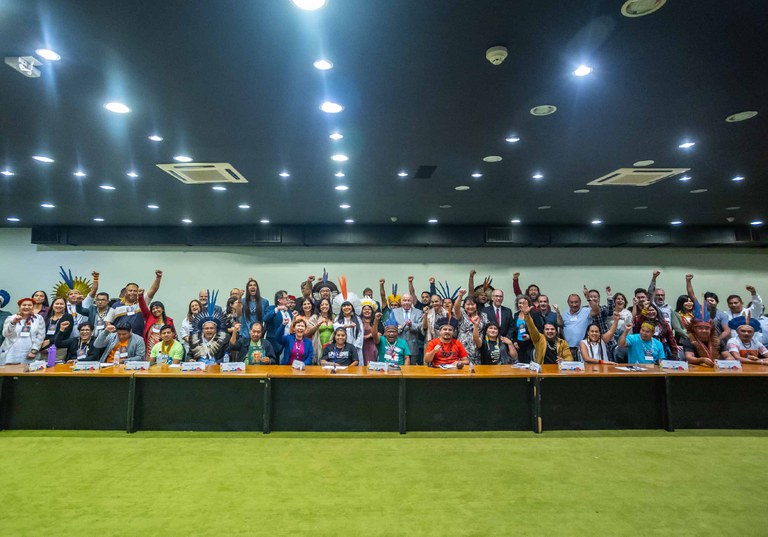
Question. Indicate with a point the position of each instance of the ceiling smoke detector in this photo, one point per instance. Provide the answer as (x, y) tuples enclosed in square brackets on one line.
[(496, 55), (640, 8)]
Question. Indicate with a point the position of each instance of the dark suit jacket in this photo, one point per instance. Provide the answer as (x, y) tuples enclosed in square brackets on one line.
[(505, 327)]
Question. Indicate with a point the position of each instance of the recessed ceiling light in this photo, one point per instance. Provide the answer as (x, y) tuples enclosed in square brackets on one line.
[(402, 174), (582, 70), (323, 65), (43, 158), (477, 175), (309, 5), (513, 139), (339, 174), (732, 208), (492, 158), (153, 206), (543, 110), (336, 136), (538, 176), (461, 188), (48, 54), (432, 221), (186, 220), (446, 206), (544, 207), (284, 174), (218, 188), (349, 221), (106, 187), (155, 138), (117, 108), (596, 222), (676, 222), (13, 219), (8, 173), (641, 207), (98, 219), (686, 145), (756, 223), (344, 206), (698, 191), (340, 158), (79, 173), (643, 163), (243, 206), (685, 178), (132, 174), (182, 158), (581, 191), (738, 179), (264, 221), (46, 205), (741, 116), (331, 107), (640, 8), (341, 187), (516, 221)]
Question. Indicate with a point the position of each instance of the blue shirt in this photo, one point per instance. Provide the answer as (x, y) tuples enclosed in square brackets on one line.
[(644, 352), (575, 325)]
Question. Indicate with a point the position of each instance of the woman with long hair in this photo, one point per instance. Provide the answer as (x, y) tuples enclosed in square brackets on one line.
[(339, 352), (154, 320), (57, 320), (682, 317), (193, 309), (320, 327), (254, 307), (41, 305), (468, 317), (349, 320)]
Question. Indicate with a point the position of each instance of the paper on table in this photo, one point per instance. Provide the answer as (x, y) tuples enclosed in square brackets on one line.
[(337, 368), (448, 366), (521, 365), (631, 368), (174, 366)]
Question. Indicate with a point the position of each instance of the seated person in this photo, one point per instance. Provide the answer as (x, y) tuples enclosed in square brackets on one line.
[(295, 346), (744, 346), (339, 352), (702, 346), (493, 349), (547, 348), (643, 347), (209, 344), (392, 349), (593, 348), (78, 347), (662, 331), (444, 349), (116, 344), (168, 350), (253, 350)]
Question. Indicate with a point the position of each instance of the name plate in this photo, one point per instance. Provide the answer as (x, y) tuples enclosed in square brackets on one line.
[(232, 366), (86, 366), (38, 365), (378, 366), (570, 366), (193, 366), (675, 365), (136, 365), (534, 366), (727, 364), (298, 364)]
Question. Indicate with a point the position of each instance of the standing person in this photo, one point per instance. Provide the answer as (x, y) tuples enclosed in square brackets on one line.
[(499, 313), (349, 320), (58, 320), (23, 334), (127, 310), (481, 293), (492, 348), (5, 298), (277, 319), (154, 320), (519, 330), (433, 315), (254, 306), (682, 317), (444, 349), (425, 295), (468, 318), (79, 346), (304, 308), (320, 326), (40, 299), (96, 313), (168, 350), (339, 352), (409, 320), (233, 313), (370, 351), (186, 325), (392, 349), (253, 350), (576, 320), (548, 347)]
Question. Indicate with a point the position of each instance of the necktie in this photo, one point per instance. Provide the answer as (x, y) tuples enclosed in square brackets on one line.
[(498, 316)]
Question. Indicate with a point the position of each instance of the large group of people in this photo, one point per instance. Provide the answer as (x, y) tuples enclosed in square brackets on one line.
[(325, 324)]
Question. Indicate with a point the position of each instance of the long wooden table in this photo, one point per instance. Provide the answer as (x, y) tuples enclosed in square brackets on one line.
[(415, 398)]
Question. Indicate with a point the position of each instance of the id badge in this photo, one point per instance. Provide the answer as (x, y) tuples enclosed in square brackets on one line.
[(156, 328), (25, 331), (131, 312), (80, 354), (51, 331), (649, 353), (122, 355)]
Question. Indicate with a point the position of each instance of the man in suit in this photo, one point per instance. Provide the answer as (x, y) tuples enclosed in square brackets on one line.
[(499, 314), (275, 321), (118, 345), (409, 320)]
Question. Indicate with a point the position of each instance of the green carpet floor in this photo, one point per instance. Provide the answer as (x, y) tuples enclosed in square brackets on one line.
[(443, 484)]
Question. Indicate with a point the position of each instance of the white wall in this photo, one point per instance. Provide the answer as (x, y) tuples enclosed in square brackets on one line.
[(25, 267)]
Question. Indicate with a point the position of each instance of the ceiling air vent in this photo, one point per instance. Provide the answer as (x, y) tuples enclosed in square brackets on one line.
[(637, 176), (198, 173), (498, 234)]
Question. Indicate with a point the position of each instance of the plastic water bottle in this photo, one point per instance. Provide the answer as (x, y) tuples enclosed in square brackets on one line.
[(52, 356), (226, 358)]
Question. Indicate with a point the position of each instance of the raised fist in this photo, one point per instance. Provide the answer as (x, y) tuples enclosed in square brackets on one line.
[(688, 277), (462, 292), (159, 273), (381, 281), (472, 273), (378, 315), (110, 328), (410, 279), (516, 276), (64, 325), (95, 275), (751, 289), (656, 273), (431, 280)]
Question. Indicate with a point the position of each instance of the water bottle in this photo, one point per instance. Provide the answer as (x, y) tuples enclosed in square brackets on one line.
[(52, 356), (226, 358)]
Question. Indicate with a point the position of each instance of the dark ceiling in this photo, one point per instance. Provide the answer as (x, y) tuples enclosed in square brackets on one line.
[(233, 81)]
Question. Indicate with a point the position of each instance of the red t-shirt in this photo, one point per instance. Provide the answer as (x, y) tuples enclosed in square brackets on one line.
[(449, 353)]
